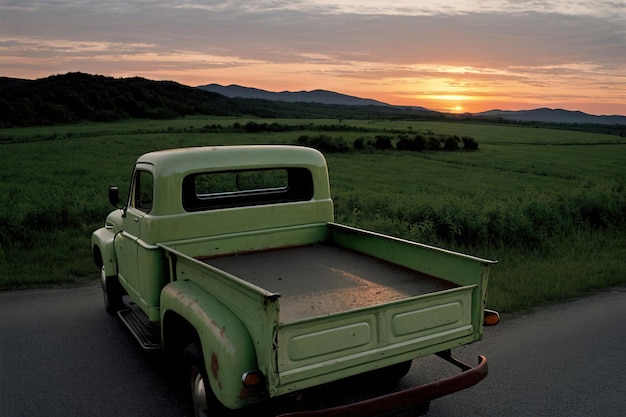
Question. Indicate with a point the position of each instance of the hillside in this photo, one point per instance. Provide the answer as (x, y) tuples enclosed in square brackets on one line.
[(79, 97), (76, 97)]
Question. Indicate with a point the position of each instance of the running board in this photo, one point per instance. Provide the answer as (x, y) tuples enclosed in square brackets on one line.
[(147, 334)]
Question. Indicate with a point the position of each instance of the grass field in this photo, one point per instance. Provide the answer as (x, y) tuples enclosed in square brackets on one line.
[(549, 205)]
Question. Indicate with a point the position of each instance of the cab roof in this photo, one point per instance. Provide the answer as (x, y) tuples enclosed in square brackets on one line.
[(227, 158)]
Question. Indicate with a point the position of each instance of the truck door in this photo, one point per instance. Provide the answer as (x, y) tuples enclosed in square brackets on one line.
[(139, 204)]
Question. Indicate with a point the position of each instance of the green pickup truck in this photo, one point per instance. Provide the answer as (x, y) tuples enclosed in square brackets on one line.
[(229, 261)]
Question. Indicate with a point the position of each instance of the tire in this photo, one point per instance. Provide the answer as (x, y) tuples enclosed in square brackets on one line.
[(112, 293), (202, 401)]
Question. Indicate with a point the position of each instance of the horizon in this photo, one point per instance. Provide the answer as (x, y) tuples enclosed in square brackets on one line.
[(448, 56), (357, 97), (400, 105)]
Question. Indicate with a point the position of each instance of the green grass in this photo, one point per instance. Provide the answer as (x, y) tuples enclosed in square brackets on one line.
[(549, 205), (566, 266)]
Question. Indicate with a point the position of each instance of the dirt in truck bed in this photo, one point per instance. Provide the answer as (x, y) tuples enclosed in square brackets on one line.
[(324, 279)]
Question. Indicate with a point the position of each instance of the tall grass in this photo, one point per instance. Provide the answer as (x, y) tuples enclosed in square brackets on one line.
[(524, 221), (549, 205), (566, 266)]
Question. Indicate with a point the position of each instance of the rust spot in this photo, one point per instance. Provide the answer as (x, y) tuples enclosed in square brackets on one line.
[(222, 330), (215, 366)]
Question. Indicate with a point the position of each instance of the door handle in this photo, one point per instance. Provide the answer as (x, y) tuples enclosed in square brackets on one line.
[(136, 219)]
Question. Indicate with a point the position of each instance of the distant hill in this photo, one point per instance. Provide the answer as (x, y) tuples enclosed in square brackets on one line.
[(315, 96), (543, 115), (552, 116)]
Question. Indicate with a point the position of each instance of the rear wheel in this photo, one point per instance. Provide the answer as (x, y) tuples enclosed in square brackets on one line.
[(112, 292), (202, 400)]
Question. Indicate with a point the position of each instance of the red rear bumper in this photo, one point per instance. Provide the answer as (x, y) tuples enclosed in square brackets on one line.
[(410, 398)]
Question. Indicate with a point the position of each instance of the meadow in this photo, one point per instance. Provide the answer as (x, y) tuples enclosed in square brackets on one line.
[(549, 205)]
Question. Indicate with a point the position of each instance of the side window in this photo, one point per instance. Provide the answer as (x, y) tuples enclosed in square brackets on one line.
[(143, 187)]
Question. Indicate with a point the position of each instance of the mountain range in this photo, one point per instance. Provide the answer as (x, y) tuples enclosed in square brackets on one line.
[(544, 115), (315, 96), (79, 97), (553, 116)]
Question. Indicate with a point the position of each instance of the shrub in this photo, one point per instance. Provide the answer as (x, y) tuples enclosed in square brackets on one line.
[(451, 143), (434, 144), (418, 143), (383, 143), (404, 144), (324, 143), (469, 143)]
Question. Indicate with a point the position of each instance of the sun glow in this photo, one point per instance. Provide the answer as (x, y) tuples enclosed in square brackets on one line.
[(450, 97), (449, 103)]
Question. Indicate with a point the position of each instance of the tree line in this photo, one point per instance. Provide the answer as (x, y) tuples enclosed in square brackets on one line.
[(416, 143)]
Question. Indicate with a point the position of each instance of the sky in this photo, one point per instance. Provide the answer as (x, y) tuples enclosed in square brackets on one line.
[(445, 55)]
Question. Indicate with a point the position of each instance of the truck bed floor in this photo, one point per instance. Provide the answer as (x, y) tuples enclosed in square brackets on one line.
[(324, 279)]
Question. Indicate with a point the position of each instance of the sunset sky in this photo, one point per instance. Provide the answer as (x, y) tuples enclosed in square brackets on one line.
[(446, 55)]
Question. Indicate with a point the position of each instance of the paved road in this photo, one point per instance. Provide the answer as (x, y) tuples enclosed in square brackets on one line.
[(563, 360), (62, 355)]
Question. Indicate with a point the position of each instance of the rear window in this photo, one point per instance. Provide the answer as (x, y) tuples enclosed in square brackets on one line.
[(228, 189)]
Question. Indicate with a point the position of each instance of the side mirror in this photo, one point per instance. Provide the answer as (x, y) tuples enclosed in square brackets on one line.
[(114, 196)]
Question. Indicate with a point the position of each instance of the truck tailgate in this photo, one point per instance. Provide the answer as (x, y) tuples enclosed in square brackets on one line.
[(320, 348)]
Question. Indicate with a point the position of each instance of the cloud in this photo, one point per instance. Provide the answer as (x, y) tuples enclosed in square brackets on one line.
[(357, 44), (370, 31)]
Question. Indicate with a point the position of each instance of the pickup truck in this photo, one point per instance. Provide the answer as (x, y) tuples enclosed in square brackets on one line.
[(228, 260)]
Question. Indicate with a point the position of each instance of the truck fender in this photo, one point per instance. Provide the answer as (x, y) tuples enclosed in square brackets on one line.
[(104, 250), (226, 344)]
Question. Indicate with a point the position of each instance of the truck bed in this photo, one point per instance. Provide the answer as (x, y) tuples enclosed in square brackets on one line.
[(318, 280)]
